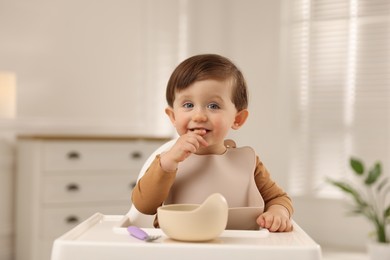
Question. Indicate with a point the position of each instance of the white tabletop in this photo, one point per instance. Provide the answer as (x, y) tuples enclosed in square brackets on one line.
[(101, 237)]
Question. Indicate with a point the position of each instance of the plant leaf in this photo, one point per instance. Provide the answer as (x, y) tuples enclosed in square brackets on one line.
[(382, 184), (347, 188), (357, 166), (373, 174), (387, 212)]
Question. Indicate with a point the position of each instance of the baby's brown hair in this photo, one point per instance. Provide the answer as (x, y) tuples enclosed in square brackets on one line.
[(208, 66)]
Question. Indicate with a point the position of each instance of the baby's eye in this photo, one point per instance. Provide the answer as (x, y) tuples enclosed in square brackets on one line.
[(213, 106), (188, 105)]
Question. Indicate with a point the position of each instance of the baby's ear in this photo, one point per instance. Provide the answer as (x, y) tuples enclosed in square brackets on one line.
[(171, 114), (240, 119)]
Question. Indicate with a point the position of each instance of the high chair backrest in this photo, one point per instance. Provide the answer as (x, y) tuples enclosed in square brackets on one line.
[(135, 217)]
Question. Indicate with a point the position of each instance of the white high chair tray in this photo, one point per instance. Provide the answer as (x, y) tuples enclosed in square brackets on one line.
[(100, 237)]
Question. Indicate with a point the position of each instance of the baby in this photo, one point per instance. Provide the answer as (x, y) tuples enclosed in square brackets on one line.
[(207, 96)]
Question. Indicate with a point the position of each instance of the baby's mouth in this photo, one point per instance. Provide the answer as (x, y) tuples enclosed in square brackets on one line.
[(199, 129)]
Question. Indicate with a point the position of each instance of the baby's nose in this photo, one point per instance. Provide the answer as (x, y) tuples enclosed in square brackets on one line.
[(199, 116)]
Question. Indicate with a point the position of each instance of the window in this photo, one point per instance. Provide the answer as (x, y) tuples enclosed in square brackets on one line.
[(340, 67)]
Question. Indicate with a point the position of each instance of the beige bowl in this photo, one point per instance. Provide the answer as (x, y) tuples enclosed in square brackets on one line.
[(194, 222)]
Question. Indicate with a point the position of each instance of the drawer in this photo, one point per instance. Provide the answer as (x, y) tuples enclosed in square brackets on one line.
[(58, 220), (88, 188), (68, 155)]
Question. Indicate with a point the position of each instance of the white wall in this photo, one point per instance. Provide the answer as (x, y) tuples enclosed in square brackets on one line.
[(90, 60), (94, 61), (331, 224)]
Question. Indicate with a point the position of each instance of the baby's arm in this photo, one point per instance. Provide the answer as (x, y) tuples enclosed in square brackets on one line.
[(185, 145), (153, 188), (278, 205)]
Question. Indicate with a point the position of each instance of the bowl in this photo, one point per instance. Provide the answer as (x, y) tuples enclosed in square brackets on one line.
[(194, 222)]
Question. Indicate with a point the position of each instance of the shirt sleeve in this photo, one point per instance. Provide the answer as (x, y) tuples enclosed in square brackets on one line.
[(269, 190), (153, 188)]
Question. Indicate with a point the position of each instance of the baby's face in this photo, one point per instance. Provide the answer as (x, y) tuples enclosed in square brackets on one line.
[(205, 105)]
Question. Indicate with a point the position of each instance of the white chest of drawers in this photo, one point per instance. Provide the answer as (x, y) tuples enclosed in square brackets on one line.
[(61, 182)]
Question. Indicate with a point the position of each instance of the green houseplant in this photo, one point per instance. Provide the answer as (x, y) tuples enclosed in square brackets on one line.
[(370, 196)]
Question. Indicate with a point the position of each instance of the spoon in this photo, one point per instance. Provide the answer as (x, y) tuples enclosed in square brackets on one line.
[(140, 234)]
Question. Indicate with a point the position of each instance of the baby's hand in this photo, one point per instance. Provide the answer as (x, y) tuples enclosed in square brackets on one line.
[(186, 145), (275, 219)]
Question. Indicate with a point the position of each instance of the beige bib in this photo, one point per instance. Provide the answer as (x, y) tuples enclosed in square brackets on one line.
[(231, 174)]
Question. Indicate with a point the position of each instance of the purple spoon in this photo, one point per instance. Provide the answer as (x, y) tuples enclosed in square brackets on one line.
[(140, 234)]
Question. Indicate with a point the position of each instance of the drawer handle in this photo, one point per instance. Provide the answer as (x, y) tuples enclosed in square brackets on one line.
[(136, 155), (72, 187), (72, 220), (73, 155)]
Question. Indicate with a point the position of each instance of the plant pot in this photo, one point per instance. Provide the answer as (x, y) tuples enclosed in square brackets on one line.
[(378, 251)]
